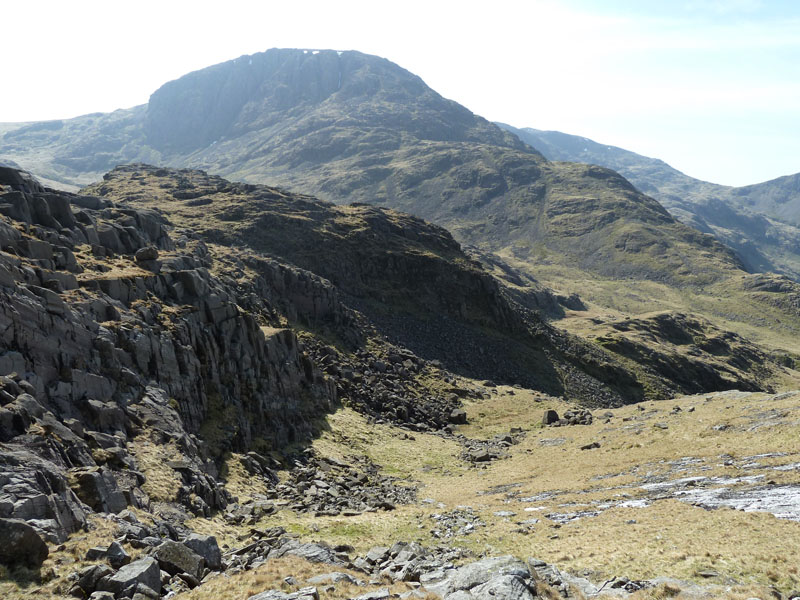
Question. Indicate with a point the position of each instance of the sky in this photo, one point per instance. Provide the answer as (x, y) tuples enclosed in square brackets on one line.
[(710, 86)]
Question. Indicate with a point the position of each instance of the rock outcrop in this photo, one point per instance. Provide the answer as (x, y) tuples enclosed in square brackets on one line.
[(109, 330)]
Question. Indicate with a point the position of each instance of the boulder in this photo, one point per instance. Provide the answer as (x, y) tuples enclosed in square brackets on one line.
[(458, 416), (89, 576), (472, 575), (206, 547), (176, 558), (334, 578), (130, 578), (377, 554), (116, 555), (481, 455), (145, 254), (307, 593), (21, 544), (505, 587), (549, 417), (379, 594), (98, 489), (312, 552)]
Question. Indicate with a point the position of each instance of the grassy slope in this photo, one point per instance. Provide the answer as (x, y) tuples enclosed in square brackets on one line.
[(754, 220), (653, 546)]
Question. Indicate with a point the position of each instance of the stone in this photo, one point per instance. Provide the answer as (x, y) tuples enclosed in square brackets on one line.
[(481, 455), (379, 594), (306, 593), (142, 572), (458, 416), (21, 544), (377, 554), (175, 558), (146, 254), (98, 489), (96, 553), (89, 576), (478, 573), (505, 587), (311, 552), (116, 555), (270, 595), (205, 546), (333, 578), (550, 416)]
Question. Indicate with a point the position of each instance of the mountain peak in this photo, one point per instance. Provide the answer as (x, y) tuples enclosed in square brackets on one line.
[(255, 92)]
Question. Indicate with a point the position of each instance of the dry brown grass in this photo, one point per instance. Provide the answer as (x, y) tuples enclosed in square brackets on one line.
[(669, 537), (51, 580), (272, 575), (162, 482), (239, 482)]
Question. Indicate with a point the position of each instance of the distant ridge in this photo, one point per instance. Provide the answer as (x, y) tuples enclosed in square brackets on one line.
[(347, 126), (759, 221)]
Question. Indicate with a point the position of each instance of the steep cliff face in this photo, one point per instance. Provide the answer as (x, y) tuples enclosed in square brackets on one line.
[(111, 330)]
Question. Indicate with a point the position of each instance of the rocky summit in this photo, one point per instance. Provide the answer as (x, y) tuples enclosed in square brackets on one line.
[(302, 328)]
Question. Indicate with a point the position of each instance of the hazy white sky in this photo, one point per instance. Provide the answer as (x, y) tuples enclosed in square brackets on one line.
[(710, 86)]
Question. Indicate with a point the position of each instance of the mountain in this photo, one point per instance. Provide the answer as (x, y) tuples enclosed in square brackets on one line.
[(779, 198), (348, 127), (759, 221), (251, 390)]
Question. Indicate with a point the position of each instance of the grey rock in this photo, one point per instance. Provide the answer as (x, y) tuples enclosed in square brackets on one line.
[(380, 594), (549, 417), (481, 455), (333, 578), (116, 555), (474, 574), (96, 553), (458, 416), (89, 576), (21, 544), (98, 489), (205, 546), (142, 572), (413, 595), (270, 595), (175, 558), (311, 552), (146, 254), (377, 554), (503, 587), (306, 593)]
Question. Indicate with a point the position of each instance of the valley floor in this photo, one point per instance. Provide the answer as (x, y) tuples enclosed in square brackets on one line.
[(704, 489)]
